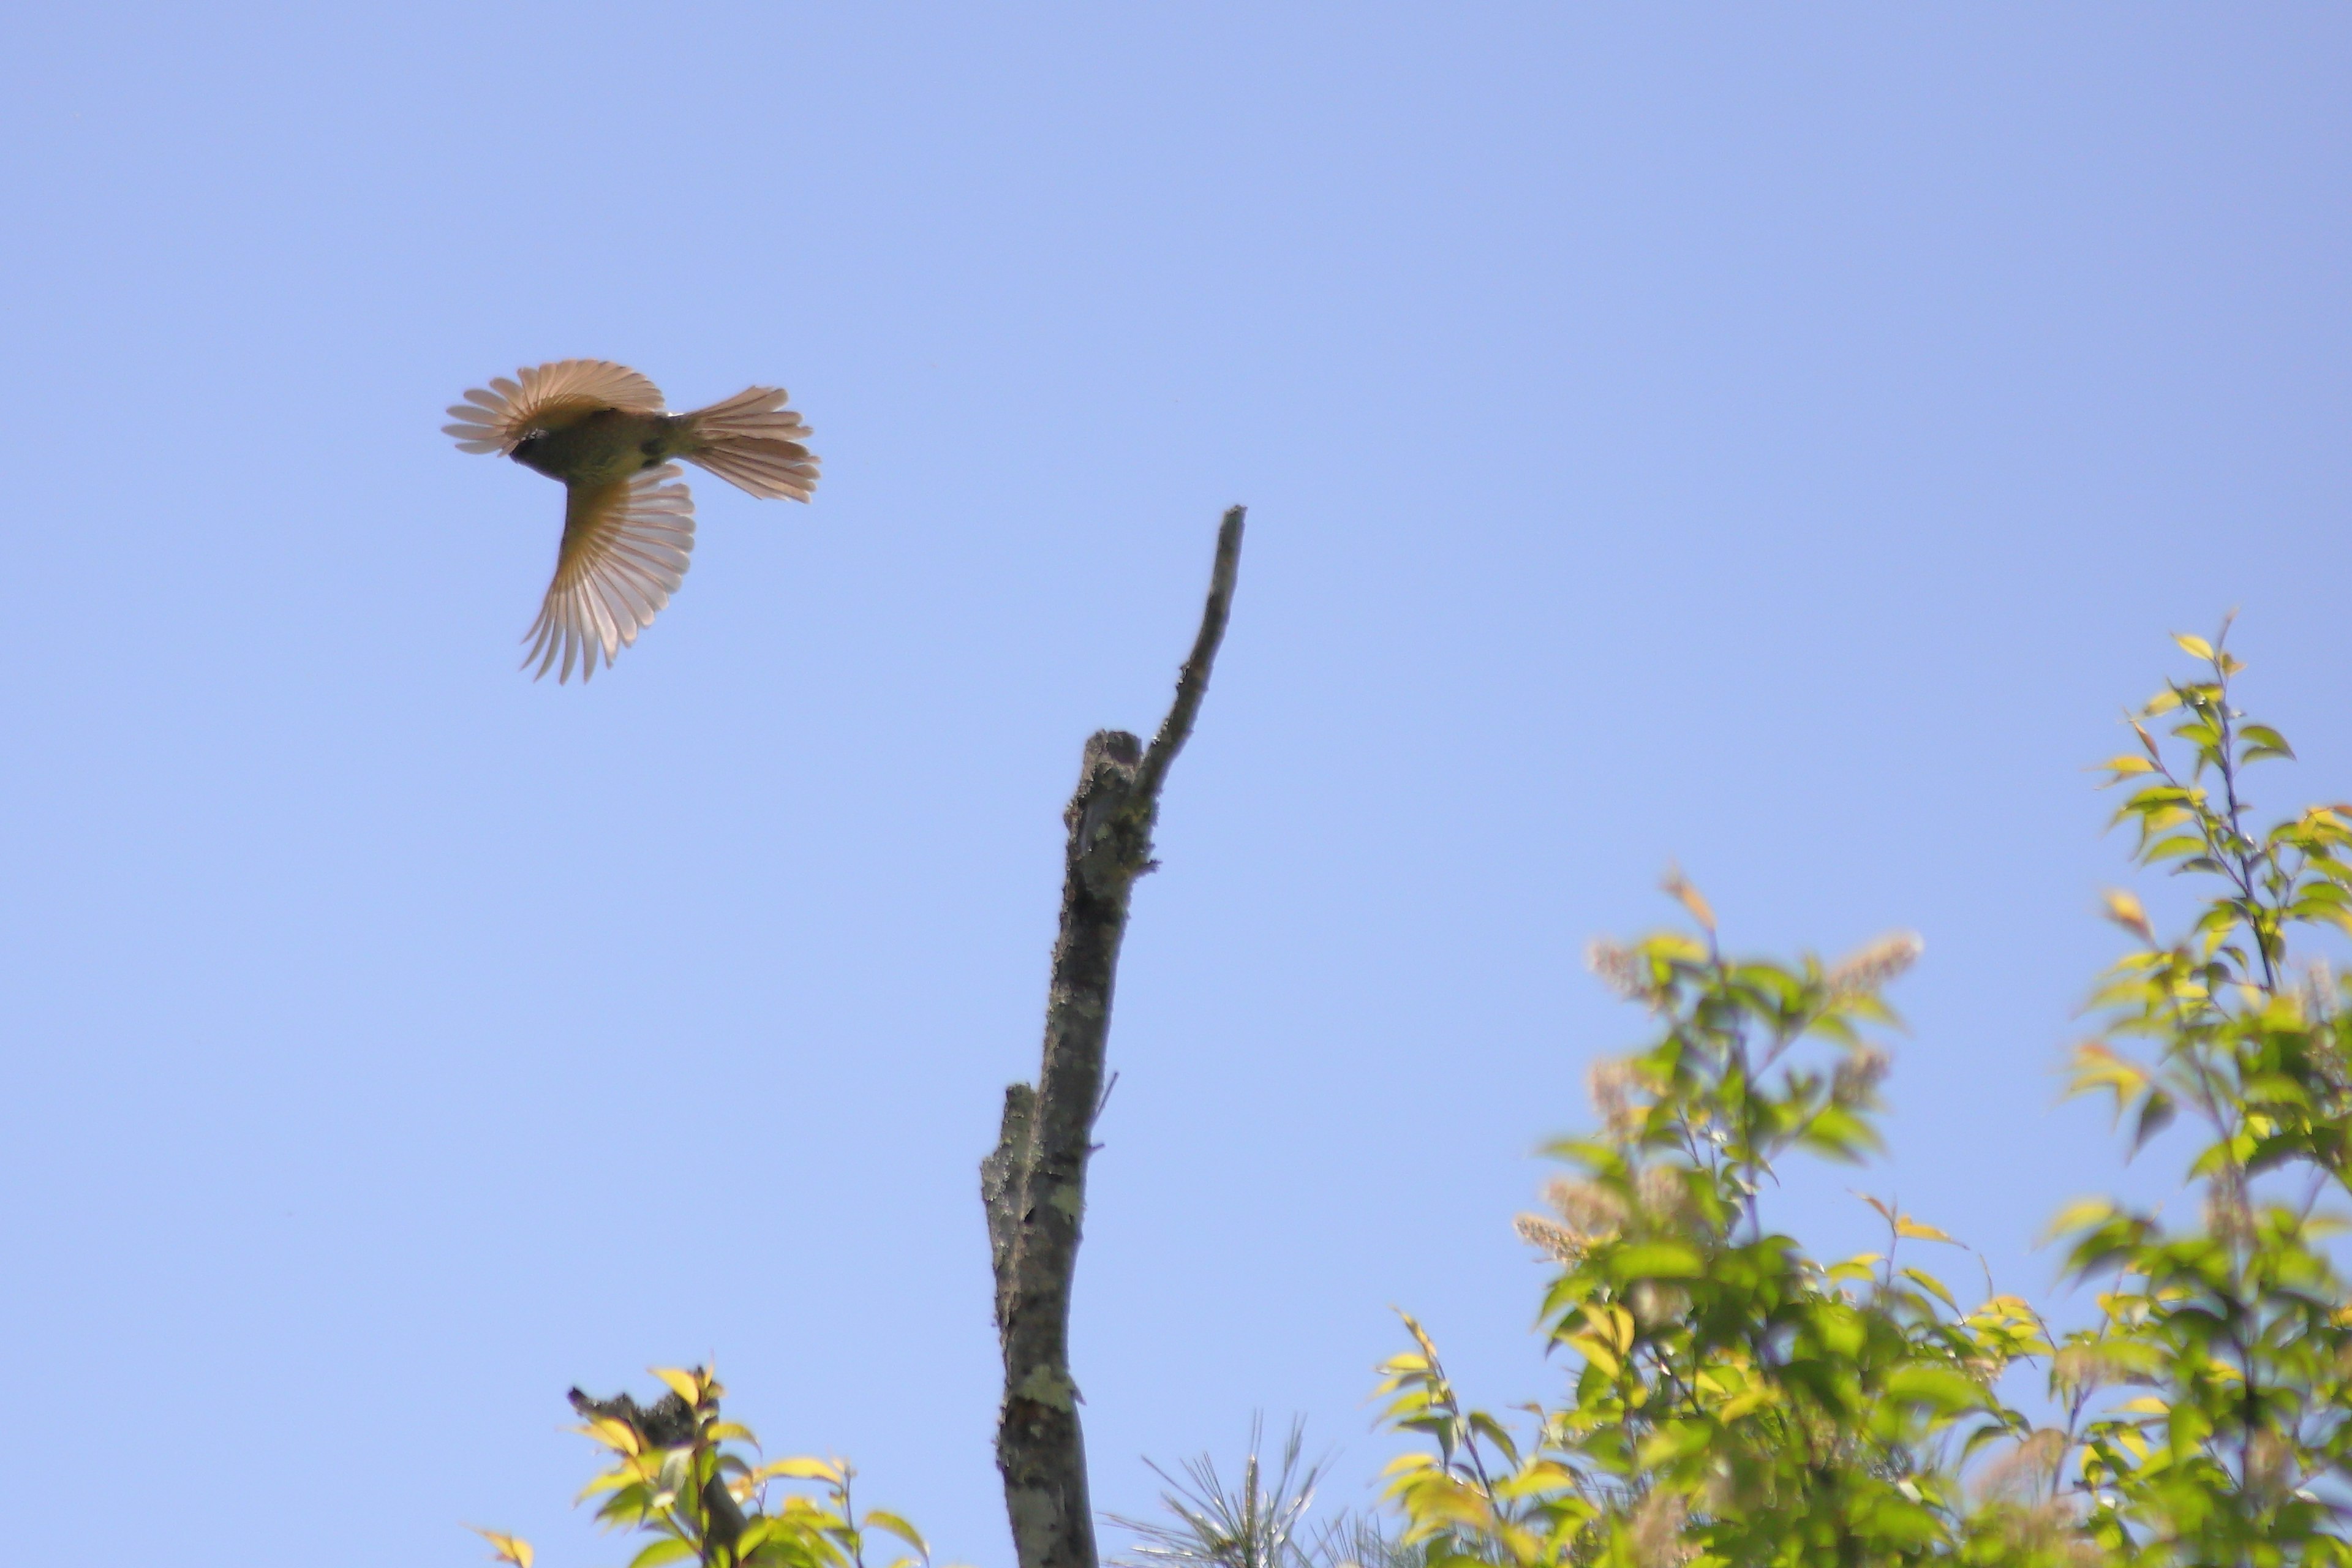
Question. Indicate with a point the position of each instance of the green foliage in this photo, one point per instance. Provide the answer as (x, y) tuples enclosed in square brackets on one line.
[(1736, 1401), (2238, 1329), (704, 1500)]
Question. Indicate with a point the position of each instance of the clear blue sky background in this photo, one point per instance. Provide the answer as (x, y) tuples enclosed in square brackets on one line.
[(1776, 441)]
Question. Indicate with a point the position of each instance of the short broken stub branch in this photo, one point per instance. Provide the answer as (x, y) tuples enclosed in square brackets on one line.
[(1033, 1183)]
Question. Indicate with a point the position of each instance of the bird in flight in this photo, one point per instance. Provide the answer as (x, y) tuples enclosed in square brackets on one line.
[(627, 528)]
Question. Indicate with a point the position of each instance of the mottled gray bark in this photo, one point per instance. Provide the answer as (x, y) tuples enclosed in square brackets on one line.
[(1033, 1185)]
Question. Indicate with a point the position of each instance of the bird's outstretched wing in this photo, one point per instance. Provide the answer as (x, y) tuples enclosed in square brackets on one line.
[(493, 418), (624, 551)]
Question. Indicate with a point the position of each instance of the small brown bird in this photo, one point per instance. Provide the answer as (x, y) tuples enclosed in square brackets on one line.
[(627, 530)]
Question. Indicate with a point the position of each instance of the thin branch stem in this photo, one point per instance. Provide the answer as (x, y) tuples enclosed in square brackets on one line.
[(1192, 681)]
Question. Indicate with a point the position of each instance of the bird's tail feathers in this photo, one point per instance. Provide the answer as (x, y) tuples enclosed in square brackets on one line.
[(752, 441)]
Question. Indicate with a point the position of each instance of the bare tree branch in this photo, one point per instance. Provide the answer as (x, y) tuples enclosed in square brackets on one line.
[(1033, 1185), (1192, 681)]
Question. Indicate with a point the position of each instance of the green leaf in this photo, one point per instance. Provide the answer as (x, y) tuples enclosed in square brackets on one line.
[(802, 1468), (2156, 1113), (682, 1383), (511, 1549), (1655, 1260), (877, 1519), (1932, 1285), (1937, 1386), (2261, 737), (665, 1551), (617, 1436), (1907, 1226), (1839, 1133), (1678, 1441)]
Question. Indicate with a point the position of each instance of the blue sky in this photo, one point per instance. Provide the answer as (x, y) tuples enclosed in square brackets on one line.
[(1778, 443)]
